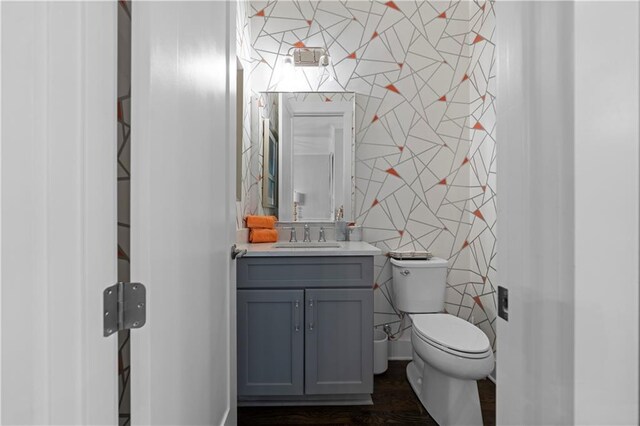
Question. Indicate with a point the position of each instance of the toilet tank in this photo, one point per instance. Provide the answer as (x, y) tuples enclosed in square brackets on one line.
[(419, 285)]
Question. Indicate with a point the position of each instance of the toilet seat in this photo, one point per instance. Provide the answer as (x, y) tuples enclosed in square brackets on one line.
[(452, 335)]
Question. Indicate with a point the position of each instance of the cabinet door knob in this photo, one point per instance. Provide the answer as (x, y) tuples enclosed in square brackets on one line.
[(310, 314), (297, 311)]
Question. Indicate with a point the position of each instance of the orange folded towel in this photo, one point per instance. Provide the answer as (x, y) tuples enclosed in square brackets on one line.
[(267, 222), (263, 236)]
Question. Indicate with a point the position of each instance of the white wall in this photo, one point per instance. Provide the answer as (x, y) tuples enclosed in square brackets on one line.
[(607, 120)]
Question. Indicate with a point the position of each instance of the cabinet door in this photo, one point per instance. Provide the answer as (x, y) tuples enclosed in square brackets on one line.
[(270, 343), (338, 341)]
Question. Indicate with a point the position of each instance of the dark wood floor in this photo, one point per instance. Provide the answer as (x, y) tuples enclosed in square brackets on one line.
[(393, 402)]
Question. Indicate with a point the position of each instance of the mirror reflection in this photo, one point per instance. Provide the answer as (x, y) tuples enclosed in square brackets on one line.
[(312, 134)]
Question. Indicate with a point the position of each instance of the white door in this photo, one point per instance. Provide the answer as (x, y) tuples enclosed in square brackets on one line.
[(535, 347), (182, 211), (568, 121), (58, 220)]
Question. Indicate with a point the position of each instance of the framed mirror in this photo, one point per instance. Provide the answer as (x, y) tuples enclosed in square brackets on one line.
[(313, 135)]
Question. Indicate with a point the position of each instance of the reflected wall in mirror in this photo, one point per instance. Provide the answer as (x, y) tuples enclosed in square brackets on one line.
[(314, 137)]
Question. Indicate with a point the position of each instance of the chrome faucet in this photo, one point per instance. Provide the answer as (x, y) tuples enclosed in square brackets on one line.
[(321, 238), (307, 233), (293, 238)]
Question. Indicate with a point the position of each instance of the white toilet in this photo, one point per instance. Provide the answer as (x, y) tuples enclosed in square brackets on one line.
[(449, 353)]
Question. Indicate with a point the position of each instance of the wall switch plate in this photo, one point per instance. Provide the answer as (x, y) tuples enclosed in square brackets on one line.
[(503, 303)]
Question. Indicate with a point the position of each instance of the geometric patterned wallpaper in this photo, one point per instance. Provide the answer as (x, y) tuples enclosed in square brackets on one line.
[(251, 200), (124, 185), (424, 75)]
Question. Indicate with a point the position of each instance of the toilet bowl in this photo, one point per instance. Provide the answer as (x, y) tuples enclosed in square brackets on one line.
[(452, 345), (449, 353)]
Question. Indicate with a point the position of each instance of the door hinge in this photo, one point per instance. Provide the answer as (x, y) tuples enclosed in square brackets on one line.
[(124, 307)]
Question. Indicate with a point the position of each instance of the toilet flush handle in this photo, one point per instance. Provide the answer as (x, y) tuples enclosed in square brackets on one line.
[(405, 272)]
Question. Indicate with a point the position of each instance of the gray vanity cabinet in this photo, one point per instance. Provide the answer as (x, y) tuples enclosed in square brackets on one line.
[(270, 342), (338, 336), (305, 328)]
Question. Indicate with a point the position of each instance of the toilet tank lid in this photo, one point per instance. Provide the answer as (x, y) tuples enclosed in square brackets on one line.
[(434, 262)]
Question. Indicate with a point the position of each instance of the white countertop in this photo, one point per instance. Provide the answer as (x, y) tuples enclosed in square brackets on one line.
[(347, 248)]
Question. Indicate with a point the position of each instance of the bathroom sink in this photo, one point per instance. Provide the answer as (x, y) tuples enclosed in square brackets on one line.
[(317, 244)]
